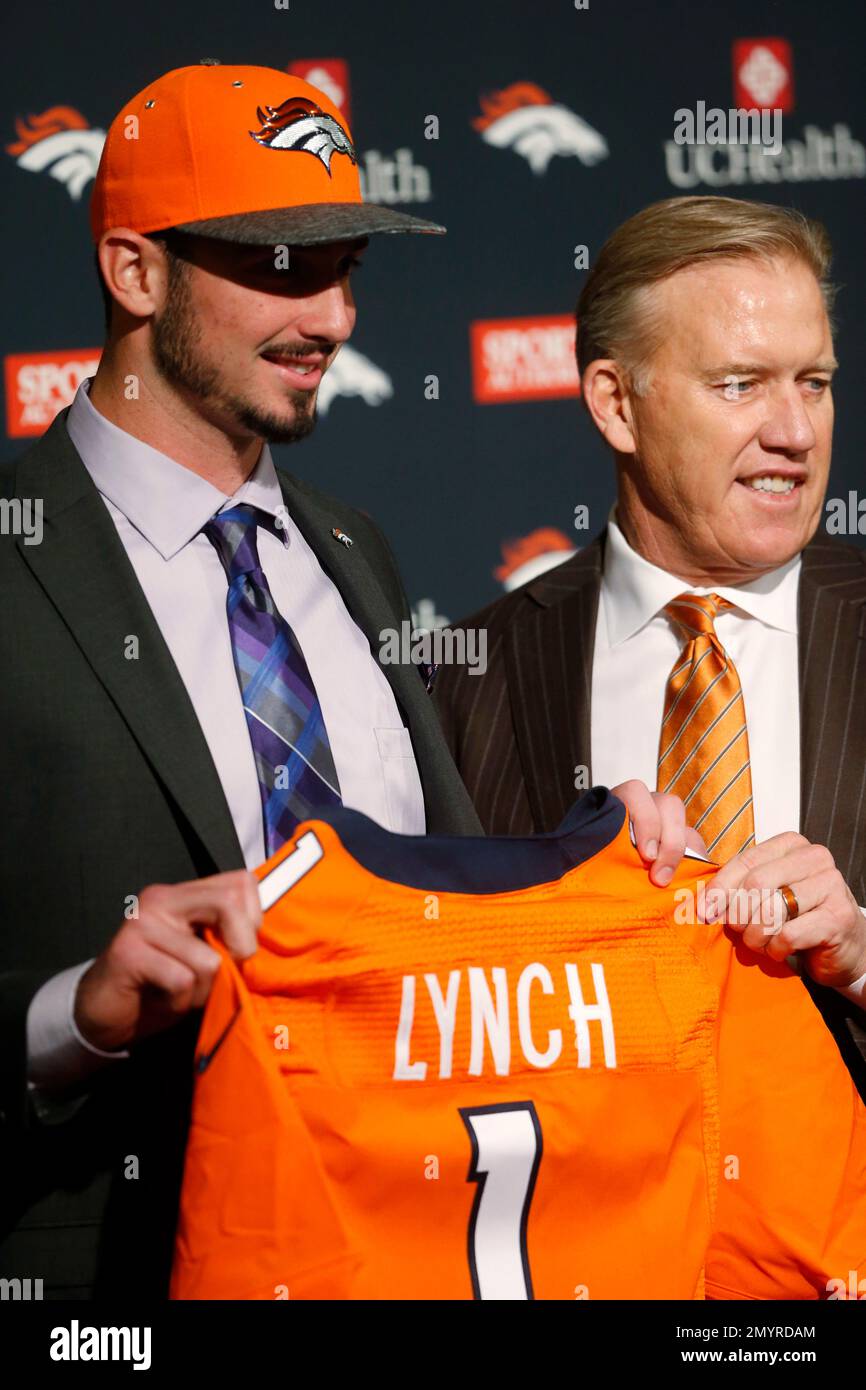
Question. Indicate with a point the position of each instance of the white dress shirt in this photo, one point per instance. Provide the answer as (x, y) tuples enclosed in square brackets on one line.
[(159, 508), (637, 646)]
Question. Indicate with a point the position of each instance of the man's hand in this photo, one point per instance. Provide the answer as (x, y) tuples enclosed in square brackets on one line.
[(156, 968), (660, 828), (830, 930)]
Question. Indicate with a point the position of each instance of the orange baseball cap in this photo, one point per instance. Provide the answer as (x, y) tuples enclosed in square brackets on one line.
[(244, 154)]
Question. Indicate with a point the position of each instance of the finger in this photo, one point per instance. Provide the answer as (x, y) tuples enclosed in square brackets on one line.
[(672, 838), (644, 815), (241, 917), (227, 902), (163, 979), (179, 954), (755, 898), (732, 874), (763, 913), (695, 840), (794, 937)]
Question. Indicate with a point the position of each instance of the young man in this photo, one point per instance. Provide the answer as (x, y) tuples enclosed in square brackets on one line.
[(190, 654)]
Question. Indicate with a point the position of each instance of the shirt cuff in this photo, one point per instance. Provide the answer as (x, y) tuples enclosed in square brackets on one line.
[(856, 992), (57, 1054)]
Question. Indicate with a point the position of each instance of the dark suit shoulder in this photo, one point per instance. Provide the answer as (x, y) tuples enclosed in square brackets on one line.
[(825, 554)]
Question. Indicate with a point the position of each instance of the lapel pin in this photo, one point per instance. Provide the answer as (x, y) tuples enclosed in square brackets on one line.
[(341, 536)]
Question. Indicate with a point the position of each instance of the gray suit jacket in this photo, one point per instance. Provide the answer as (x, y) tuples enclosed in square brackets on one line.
[(518, 731), (108, 786)]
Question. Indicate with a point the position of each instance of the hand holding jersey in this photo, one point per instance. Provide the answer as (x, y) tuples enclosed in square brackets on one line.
[(156, 968), (829, 929)]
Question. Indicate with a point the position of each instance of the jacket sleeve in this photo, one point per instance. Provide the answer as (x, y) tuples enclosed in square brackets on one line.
[(17, 989)]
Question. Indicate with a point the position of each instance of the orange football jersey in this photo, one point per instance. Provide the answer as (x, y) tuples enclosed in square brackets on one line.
[(510, 1069)]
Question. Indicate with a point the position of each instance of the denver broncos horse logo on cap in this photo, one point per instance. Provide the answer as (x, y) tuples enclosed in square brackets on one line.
[(299, 124)]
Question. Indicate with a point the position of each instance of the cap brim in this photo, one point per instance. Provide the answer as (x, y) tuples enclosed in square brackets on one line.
[(309, 226)]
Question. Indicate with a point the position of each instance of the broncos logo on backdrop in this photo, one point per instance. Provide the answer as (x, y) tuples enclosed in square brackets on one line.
[(524, 118), (59, 142), (299, 124), (529, 556), (353, 374)]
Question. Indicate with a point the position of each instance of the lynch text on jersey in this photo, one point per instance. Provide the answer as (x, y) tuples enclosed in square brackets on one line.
[(482, 1011)]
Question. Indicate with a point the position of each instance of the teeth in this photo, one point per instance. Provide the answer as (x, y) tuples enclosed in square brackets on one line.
[(770, 483), (302, 367)]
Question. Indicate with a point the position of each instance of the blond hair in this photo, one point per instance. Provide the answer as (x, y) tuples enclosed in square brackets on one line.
[(617, 313)]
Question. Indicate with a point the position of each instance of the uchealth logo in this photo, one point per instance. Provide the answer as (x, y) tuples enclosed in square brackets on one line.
[(330, 75), (39, 384), (529, 556), (763, 82), (524, 118), (61, 143), (524, 359), (353, 374)]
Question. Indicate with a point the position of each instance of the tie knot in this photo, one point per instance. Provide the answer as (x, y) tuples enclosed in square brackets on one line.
[(232, 533), (696, 613)]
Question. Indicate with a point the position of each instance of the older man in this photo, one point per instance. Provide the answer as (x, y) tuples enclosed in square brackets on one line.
[(706, 642)]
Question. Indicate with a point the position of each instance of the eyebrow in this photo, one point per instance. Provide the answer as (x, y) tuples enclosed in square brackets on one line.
[(826, 364)]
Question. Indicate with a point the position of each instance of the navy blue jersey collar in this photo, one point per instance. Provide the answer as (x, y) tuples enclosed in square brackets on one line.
[(470, 864)]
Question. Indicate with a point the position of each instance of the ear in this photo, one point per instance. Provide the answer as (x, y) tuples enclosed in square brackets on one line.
[(134, 271), (607, 397)]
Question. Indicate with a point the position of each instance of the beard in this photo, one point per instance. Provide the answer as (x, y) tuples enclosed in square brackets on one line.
[(176, 348)]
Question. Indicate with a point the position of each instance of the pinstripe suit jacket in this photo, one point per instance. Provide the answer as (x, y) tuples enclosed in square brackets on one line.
[(518, 732)]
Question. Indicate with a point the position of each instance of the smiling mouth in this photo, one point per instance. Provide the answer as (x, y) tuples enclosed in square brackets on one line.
[(297, 371), (772, 484)]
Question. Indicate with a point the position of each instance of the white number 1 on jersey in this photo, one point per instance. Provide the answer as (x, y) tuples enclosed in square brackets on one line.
[(506, 1152)]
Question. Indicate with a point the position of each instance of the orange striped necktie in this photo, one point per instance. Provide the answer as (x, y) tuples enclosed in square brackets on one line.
[(704, 744)]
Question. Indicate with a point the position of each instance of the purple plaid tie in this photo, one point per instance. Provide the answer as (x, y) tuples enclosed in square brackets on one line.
[(294, 763)]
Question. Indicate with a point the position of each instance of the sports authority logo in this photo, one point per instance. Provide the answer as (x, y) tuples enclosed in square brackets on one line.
[(763, 81), (523, 117), (39, 384), (330, 75), (529, 556), (764, 74), (59, 142), (524, 359), (299, 124), (353, 374)]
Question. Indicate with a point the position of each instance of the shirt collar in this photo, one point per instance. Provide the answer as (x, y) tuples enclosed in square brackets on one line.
[(634, 591), (167, 503)]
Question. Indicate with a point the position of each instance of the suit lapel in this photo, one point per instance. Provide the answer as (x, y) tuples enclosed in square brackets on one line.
[(83, 568), (548, 657), (832, 648)]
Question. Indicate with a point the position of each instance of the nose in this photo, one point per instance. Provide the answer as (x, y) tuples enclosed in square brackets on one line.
[(788, 425), (328, 314)]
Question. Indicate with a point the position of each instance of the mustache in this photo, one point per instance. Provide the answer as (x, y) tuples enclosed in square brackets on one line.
[(301, 349)]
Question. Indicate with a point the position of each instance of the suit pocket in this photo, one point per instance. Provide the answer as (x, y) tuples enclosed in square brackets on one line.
[(404, 798)]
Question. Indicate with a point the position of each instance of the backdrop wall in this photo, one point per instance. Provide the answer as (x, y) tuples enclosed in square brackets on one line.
[(529, 130)]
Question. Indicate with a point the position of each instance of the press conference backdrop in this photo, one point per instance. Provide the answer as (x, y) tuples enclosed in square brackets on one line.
[(531, 130)]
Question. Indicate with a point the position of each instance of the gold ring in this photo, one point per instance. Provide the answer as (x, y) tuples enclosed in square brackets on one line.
[(789, 898)]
